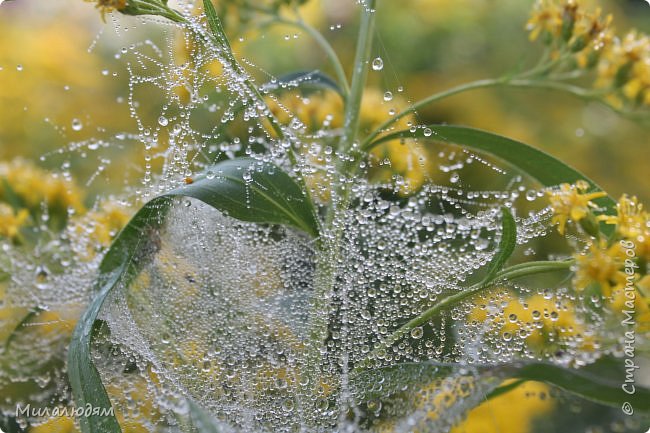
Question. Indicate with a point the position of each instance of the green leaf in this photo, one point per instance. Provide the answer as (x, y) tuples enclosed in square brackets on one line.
[(304, 79), (252, 191), (243, 188), (214, 23), (594, 382), (25, 320), (539, 165), (506, 246), (10, 195)]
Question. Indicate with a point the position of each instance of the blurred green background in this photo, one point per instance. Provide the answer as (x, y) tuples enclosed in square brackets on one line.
[(58, 68)]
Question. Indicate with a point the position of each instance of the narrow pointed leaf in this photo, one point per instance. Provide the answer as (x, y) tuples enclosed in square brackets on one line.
[(546, 169), (304, 79), (214, 23), (242, 188), (594, 382), (506, 245)]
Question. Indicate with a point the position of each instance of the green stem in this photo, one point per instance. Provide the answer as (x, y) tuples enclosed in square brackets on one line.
[(326, 47), (491, 82), (330, 242), (428, 100), (359, 75), (513, 272)]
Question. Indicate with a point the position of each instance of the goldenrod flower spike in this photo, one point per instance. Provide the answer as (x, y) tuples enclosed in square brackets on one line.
[(572, 202)]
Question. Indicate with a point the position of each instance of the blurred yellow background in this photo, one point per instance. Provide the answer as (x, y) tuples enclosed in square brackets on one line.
[(60, 81)]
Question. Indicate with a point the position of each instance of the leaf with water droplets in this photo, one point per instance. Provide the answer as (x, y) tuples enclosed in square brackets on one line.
[(244, 188), (595, 382), (214, 23), (541, 166), (249, 190), (311, 80), (506, 246)]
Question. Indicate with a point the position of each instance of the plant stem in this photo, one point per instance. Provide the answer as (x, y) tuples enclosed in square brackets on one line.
[(428, 100), (330, 242), (490, 82), (510, 273), (359, 75)]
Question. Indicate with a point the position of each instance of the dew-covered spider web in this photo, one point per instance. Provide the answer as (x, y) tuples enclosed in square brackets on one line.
[(222, 313)]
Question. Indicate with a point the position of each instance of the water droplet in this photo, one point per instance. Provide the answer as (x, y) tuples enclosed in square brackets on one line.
[(163, 121), (417, 332), (531, 195), (377, 64), (77, 125), (388, 96)]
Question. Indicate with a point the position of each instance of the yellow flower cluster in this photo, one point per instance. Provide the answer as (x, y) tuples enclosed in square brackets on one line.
[(604, 264), (531, 399), (11, 221), (31, 186), (406, 159), (587, 38), (316, 112), (108, 6), (632, 223), (602, 268), (573, 203), (567, 23), (543, 323), (94, 231), (134, 410), (625, 70)]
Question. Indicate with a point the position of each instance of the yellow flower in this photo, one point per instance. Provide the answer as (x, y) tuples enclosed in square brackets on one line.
[(407, 159), (530, 399), (33, 186), (11, 222), (108, 6), (625, 70), (601, 265), (319, 114), (572, 202), (10, 315), (95, 230), (62, 424), (593, 37), (633, 302), (512, 412), (630, 219), (133, 400), (543, 323), (316, 112), (546, 17)]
